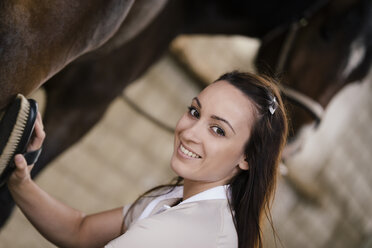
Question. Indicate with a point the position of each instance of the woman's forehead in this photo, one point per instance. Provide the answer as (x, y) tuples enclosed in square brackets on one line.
[(222, 98), (224, 93)]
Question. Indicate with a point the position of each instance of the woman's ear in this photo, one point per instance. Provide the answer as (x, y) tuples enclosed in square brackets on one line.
[(243, 164)]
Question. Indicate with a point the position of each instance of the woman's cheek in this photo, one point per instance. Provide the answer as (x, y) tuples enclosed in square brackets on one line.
[(181, 124)]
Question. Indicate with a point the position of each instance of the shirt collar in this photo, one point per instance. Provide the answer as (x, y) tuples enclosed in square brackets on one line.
[(215, 193)]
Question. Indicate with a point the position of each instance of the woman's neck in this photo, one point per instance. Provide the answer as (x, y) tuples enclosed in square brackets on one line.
[(191, 188)]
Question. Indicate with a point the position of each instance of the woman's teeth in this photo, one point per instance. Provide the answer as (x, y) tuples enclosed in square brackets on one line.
[(189, 153)]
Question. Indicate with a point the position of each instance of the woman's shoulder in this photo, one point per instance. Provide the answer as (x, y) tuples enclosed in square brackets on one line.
[(203, 209), (213, 216), (205, 223)]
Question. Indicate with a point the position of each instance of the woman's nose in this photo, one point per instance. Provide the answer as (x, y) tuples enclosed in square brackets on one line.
[(193, 132)]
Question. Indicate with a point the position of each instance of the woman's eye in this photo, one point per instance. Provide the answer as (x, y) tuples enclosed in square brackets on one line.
[(219, 131), (194, 112)]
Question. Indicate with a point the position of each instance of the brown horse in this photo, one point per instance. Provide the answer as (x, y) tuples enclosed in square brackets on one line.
[(38, 41), (321, 53)]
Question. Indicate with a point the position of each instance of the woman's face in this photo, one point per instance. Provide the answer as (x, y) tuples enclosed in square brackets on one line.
[(209, 138)]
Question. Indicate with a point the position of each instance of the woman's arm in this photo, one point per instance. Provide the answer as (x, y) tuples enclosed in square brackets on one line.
[(59, 223)]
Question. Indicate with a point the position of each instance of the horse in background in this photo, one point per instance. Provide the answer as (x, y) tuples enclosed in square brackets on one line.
[(327, 49), (123, 39), (318, 55)]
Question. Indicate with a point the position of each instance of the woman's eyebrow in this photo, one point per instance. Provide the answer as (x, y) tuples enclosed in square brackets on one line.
[(214, 116), (222, 119), (197, 102)]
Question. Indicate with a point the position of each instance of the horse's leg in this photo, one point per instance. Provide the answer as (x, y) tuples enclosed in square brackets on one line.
[(78, 96), (6, 205)]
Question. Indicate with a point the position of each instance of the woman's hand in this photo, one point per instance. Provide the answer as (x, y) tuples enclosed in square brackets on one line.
[(62, 225), (22, 172)]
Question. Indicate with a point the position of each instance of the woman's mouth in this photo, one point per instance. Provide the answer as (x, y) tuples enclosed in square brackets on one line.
[(188, 153)]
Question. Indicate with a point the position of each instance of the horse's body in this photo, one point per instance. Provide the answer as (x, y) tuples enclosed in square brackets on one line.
[(38, 38), (80, 93)]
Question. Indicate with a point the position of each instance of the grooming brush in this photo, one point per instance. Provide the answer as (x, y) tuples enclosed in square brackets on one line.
[(16, 128)]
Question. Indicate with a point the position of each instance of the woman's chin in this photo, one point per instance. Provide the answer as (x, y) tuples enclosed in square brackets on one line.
[(178, 167), (175, 165)]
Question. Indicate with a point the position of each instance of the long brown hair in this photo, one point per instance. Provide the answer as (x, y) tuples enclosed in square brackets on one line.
[(252, 190)]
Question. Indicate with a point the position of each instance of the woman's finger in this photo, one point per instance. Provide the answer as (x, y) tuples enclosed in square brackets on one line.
[(20, 161), (21, 166), (39, 120), (39, 130), (21, 172), (38, 135)]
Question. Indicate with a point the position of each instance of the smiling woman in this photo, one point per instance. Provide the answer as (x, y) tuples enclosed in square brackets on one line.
[(226, 152), (215, 129), (227, 148)]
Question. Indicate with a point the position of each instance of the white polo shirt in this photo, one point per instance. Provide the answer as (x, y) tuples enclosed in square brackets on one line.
[(203, 220)]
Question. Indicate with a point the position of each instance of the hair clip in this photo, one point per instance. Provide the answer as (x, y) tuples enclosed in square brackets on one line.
[(273, 105)]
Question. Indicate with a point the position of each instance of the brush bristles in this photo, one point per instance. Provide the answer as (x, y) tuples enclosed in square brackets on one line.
[(16, 133)]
